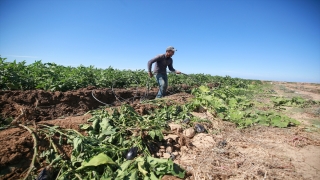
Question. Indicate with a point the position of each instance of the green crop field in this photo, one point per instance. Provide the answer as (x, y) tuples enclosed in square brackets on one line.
[(118, 142)]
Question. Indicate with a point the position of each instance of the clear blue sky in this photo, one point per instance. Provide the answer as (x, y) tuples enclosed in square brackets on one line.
[(255, 39)]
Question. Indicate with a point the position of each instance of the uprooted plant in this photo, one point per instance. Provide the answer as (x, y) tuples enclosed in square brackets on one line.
[(118, 145)]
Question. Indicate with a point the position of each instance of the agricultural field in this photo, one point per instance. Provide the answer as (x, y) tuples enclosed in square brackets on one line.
[(81, 122)]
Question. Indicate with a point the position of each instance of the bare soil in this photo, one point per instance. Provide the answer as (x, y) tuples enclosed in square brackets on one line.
[(225, 152)]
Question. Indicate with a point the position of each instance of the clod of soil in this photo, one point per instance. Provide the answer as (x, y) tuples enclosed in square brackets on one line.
[(190, 132)]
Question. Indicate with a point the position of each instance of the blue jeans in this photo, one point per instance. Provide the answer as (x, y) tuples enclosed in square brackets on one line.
[(162, 80)]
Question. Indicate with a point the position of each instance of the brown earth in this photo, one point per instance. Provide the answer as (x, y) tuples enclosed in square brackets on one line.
[(41, 105), (225, 152), (64, 109)]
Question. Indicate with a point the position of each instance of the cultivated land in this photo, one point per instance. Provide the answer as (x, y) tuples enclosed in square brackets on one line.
[(208, 127), (223, 152)]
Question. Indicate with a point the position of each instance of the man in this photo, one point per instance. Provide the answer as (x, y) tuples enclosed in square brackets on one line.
[(160, 69)]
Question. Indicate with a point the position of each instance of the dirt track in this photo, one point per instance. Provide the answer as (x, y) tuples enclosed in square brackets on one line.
[(253, 153)]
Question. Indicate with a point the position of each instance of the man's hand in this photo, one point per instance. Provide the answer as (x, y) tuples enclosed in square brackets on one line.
[(178, 72), (150, 74)]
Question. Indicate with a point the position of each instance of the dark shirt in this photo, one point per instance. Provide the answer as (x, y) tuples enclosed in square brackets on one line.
[(161, 64)]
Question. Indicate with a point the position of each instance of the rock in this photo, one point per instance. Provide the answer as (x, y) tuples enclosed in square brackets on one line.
[(190, 132), (169, 149), (175, 153), (172, 156), (199, 128), (169, 142), (175, 127), (162, 150), (187, 120), (202, 140), (171, 136), (166, 155), (201, 109)]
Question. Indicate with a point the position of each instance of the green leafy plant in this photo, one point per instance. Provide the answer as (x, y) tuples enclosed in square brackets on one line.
[(52, 77), (280, 102), (101, 154), (232, 104)]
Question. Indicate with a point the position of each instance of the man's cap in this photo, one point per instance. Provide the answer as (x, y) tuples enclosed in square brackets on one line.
[(170, 48)]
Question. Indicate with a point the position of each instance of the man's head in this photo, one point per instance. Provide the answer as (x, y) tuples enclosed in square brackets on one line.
[(170, 51)]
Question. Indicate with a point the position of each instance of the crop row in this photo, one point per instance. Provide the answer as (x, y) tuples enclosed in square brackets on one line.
[(52, 77)]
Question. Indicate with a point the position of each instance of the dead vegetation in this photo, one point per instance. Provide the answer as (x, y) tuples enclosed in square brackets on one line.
[(253, 153)]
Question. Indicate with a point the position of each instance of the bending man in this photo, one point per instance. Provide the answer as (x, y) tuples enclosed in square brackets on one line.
[(160, 69)]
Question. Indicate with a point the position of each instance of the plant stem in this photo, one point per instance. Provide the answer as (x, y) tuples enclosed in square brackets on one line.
[(60, 132), (35, 150), (78, 176), (59, 173), (75, 131)]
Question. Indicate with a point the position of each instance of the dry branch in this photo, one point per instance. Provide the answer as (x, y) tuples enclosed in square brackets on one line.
[(35, 150)]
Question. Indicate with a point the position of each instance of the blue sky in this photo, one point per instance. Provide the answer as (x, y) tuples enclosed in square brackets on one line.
[(254, 39)]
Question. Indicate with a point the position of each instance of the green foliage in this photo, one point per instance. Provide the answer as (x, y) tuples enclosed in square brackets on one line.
[(111, 134), (292, 102), (52, 77), (234, 104), (101, 154), (95, 161)]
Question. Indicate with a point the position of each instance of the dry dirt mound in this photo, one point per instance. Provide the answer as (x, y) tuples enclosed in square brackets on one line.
[(41, 105)]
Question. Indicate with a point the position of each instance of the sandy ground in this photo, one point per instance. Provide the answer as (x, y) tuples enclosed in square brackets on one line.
[(261, 152)]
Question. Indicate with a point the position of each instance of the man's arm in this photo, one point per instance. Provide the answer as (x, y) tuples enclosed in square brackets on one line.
[(172, 69), (150, 65), (155, 59)]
